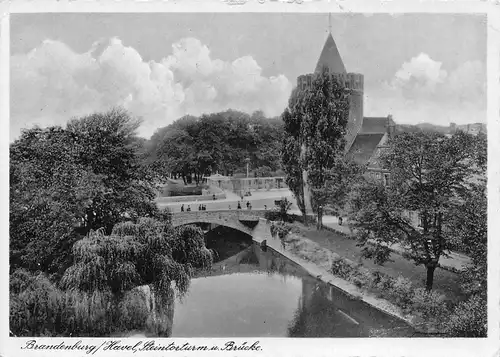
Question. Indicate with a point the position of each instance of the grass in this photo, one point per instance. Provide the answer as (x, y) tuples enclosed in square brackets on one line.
[(445, 282), (339, 255)]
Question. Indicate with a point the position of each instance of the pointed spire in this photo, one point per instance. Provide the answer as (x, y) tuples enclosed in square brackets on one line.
[(330, 58)]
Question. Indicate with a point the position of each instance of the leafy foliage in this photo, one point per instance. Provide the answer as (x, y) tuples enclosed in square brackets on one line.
[(469, 319), (39, 308), (216, 142), (315, 126), (149, 252), (430, 173), (66, 182)]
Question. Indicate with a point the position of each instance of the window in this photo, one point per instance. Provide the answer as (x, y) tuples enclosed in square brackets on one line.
[(387, 180)]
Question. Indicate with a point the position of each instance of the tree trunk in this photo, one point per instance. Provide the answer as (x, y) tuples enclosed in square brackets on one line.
[(319, 224), (430, 277)]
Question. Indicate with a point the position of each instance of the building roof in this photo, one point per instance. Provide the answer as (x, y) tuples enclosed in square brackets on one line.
[(364, 147), (330, 58), (374, 125)]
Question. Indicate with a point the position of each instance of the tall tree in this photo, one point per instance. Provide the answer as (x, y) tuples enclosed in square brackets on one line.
[(315, 127), (429, 174), (66, 182)]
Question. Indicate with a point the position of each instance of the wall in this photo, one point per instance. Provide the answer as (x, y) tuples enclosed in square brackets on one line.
[(200, 198)]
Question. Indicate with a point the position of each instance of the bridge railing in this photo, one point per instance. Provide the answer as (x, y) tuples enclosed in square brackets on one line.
[(240, 214)]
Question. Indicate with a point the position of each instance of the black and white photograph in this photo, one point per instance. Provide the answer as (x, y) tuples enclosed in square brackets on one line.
[(247, 175)]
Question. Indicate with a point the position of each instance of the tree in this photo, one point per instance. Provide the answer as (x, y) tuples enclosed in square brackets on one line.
[(67, 182), (49, 194), (216, 142), (99, 294), (315, 126), (469, 228), (429, 174), (339, 181), (149, 252)]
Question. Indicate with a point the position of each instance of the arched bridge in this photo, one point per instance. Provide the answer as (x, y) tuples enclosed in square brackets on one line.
[(246, 222)]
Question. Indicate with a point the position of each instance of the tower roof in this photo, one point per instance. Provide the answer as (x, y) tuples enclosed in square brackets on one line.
[(330, 58)]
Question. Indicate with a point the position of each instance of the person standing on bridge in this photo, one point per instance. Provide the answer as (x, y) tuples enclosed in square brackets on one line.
[(248, 204), (189, 208), (182, 208), (199, 208), (239, 205)]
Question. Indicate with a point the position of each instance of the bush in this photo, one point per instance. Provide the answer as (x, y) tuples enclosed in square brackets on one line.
[(386, 283), (429, 303), (341, 268), (402, 291), (469, 319), (272, 214)]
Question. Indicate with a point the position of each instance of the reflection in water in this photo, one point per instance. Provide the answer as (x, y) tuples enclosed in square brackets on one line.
[(250, 292)]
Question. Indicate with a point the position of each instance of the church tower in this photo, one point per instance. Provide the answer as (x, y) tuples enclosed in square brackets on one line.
[(331, 62)]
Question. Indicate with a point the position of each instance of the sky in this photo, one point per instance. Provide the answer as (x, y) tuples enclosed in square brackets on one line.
[(417, 67)]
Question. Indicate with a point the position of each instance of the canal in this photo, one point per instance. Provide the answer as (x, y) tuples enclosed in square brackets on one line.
[(256, 292)]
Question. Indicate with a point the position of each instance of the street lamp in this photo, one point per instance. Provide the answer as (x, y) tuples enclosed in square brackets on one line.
[(247, 160)]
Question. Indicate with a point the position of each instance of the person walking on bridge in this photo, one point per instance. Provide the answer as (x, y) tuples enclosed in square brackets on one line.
[(239, 205), (189, 208), (182, 208)]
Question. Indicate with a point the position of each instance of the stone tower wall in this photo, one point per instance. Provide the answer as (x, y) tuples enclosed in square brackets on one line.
[(353, 81)]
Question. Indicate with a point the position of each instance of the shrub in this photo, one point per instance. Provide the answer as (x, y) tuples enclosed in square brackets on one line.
[(429, 303), (272, 214), (357, 281), (36, 308), (402, 290), (280, 229), (386, 283), (341, 268), (469, 319)]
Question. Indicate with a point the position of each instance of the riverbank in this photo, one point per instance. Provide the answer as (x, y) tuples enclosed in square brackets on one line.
[(317, 261)]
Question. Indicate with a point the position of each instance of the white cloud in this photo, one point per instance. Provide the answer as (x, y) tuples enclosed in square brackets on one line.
[(422, 91), (52, 83)]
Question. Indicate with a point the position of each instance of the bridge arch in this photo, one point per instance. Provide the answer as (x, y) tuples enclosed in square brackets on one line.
[(239, 220)]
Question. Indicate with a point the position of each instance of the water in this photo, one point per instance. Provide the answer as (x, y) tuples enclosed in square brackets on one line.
[(255, 293)]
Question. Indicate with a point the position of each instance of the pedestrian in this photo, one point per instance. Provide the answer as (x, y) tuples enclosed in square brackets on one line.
[(250, 206), (229, 207), (340, 220), (248, 203), (265, 207), (204, 207), (199, 208), (182, 208), (189, 208), (213, 196), (239, 205)]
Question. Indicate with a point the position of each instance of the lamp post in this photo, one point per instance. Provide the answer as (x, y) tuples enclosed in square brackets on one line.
[(247, 160)]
